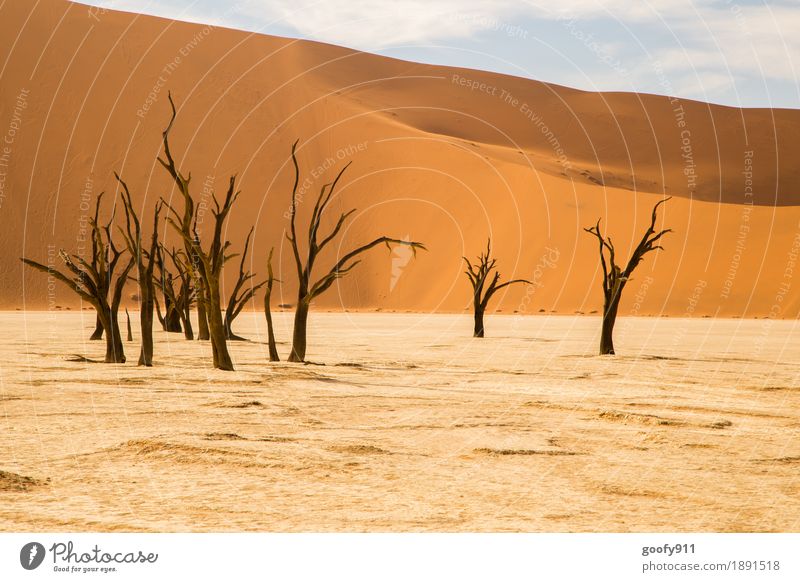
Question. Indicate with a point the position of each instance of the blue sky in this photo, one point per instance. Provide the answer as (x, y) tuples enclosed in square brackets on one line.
[(735, 52)]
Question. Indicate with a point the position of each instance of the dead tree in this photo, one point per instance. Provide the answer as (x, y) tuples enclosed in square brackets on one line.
[(97, 334), (273, 349), (202, 318), (193, 264), (185, 297), (145, 260), (485, 281), (308, 291), (178, 303), (206, 263), (241, 293), (100, 283), (171, 319), (130, 331), (615, 278), (209, 270)]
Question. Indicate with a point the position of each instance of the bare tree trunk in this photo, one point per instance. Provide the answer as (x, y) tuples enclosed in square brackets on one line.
[(171, 317), (241, 293), (273, 349), (188, 332), (216, 330), (174, 321), (146, 322), (98, 329), (202, 316), (229, 331), (300, 331), (219, 346), (161, 319), (609, 319), (115, 353), (478, 331), (130, 331)]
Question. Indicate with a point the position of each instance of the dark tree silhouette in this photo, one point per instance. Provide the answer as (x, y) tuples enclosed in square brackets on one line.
[(165, 282), (202, 318), (185, 297), (130, 331), (209, 269), (241, 293), (273, 349), (485, 281), (615, 278), (206, 263), (308, 291), (97, 334), (144, 259), (179, 303), (100, 283)]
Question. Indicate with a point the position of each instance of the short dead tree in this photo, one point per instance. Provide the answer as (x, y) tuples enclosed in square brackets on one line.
[(99, 282), (273, 349), (170, 320), (485, 281), (307, 289), (130, 331), (242, 293), (615, 278), (178, 302)]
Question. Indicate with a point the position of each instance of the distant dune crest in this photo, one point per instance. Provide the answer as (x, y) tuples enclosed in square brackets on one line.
[(447, 156)]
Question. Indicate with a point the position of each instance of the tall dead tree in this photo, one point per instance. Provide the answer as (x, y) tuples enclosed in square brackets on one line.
[(485, 280), (241, 294), (209, 269), (97, 334), (273, 349), (202, 317), (145, 260), (307, 290), (206, 263), (100, 283), (615, 278), (191, 267)]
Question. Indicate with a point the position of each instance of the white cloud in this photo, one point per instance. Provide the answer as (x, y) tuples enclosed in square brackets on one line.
[(718, 35), (724, 42), (377, 24)]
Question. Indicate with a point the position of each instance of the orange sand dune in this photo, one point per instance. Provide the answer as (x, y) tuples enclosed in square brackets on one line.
[(441, 155)]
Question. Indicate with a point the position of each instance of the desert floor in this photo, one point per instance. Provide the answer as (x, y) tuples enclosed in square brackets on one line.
[(405, 423)]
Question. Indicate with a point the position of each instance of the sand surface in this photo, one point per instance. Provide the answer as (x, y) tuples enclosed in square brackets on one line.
[(440, 155), (406, 423)]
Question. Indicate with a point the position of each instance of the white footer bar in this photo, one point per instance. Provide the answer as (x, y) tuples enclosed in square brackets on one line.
[(401, 557)]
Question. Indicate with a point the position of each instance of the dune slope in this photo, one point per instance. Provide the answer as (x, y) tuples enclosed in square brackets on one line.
[(441, 155)]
